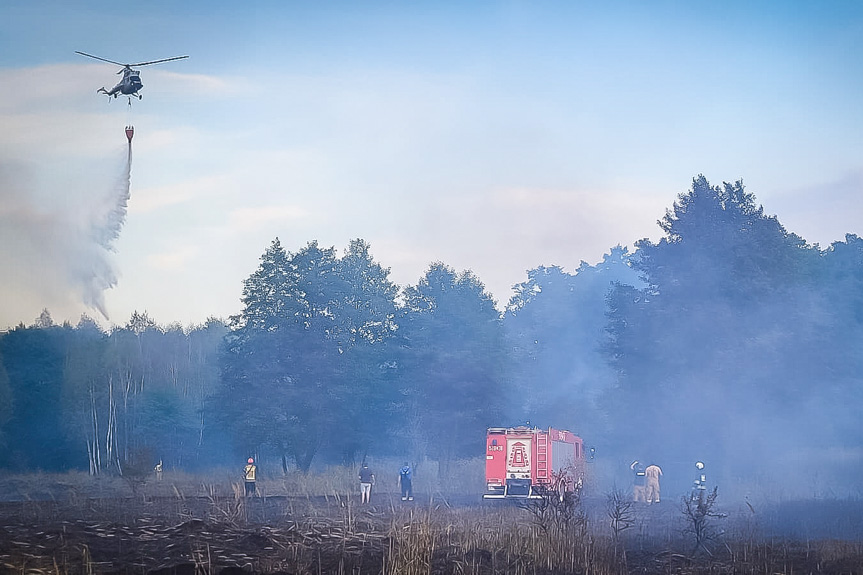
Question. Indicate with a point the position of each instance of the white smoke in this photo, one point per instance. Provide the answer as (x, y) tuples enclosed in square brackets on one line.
[(57, 238)]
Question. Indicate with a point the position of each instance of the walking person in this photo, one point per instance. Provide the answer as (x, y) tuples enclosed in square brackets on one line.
[(405, 482), (249, 473), (367, 479), (653, 473)]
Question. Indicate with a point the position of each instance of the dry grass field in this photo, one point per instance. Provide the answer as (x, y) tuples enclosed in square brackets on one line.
[(184, 524)]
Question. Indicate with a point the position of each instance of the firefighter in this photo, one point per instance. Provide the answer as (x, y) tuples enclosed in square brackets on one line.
[(158, 470), (699, 486), (249, 472), (653, 473), (405, 482), (638, 481), (367, 479)]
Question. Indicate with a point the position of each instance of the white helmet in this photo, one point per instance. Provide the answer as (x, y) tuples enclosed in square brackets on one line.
[(699, 465)]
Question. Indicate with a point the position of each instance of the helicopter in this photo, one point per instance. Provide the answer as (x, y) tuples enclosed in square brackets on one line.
[(131, 82)]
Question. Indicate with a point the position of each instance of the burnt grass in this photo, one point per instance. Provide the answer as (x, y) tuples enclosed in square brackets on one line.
[(207, 529)]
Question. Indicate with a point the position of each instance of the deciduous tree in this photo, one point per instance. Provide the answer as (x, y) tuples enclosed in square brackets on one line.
[(290, 368), (455, 362)]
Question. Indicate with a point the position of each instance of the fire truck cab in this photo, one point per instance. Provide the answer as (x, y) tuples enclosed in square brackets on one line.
[(528, 462)]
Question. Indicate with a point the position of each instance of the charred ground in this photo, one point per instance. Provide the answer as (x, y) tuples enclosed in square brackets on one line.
[(79, 525)]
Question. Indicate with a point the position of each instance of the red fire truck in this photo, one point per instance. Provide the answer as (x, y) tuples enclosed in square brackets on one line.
[(528, 462)]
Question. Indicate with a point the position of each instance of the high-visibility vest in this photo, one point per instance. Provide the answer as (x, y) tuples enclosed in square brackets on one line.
[(250, 472)]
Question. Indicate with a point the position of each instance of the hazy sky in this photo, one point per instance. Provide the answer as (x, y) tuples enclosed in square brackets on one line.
[(494, 136)]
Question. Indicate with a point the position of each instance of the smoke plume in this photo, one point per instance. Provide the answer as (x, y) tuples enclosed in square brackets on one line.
[(58, 231)]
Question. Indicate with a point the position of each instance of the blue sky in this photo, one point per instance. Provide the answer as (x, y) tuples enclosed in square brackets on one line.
[(492, 136)]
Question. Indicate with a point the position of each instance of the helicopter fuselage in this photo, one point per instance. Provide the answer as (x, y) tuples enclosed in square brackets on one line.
[(128, 86)]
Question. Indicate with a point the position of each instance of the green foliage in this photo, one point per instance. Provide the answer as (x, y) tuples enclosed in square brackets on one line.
[(726, 329), (84, 392), (301, 364), (80, 398), (6, 406), (454, 364), (732, 338), (170, 424), (555, 326), (33, 358)]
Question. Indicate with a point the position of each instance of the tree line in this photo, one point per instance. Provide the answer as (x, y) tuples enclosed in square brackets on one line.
[(729, 339)]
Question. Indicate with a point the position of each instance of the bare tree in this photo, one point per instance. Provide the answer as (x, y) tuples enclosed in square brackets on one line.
[(555, 512), (619, 508), (698, 510)]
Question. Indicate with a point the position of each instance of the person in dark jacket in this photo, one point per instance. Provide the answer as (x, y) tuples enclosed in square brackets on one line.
[(405, 482), (639, 482), (367, 479)]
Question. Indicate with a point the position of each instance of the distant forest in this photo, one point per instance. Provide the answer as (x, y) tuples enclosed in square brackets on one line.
[(729, 340)]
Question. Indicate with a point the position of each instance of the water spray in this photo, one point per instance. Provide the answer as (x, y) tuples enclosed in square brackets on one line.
[(106, 227)]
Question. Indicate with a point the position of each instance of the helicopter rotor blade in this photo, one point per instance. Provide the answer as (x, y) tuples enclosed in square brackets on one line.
[(98, 58), (159, 61)]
